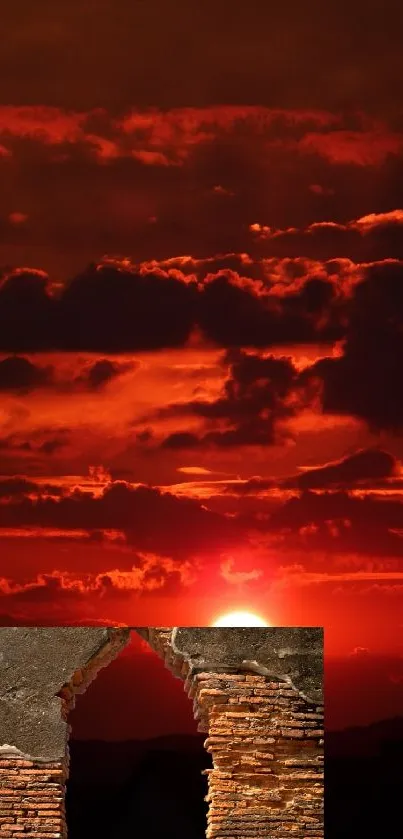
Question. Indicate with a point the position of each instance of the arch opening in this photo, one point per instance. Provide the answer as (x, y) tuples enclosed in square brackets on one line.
[(135, 754)]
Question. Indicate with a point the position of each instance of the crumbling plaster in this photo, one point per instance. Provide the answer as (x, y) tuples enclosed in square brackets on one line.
[(41, 670)]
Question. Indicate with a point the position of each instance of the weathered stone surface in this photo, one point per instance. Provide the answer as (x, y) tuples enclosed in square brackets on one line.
[(35, 664), (291, 653)]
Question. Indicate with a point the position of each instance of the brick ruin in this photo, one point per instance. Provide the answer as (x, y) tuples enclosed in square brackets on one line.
[(257, 694)]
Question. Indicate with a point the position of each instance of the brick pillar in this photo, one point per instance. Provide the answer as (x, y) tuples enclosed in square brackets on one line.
[(41, 670), (32, 799), (266, 744)]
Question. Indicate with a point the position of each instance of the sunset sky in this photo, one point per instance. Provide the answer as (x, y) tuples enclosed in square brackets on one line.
[(201, 322)]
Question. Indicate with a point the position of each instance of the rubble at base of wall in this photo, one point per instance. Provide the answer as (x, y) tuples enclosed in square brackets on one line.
[(32, 799)]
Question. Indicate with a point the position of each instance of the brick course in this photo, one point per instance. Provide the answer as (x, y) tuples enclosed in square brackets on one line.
[(267, 749), (32, 799), (266, 744)]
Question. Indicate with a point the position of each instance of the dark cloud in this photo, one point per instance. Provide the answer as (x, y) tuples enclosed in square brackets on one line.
[(116, 306), (34, 444), (369, 239), (371, 468), (20, 486), (102, 372), (21, 374), (17, 373), (115, 310), (106, 308), (310, 508), (256, 396), (27, 312), (233, 313), (366, 467), (151, 520), (181, 440), (49, 447), (113, 307), (365, 380), (337, 523)]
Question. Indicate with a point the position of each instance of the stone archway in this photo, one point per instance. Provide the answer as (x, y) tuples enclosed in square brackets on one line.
[(257, 694)]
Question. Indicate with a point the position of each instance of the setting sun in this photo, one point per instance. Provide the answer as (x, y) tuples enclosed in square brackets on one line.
[(240, 619)]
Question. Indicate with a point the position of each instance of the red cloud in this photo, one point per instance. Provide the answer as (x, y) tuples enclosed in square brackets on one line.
[(366, 148)]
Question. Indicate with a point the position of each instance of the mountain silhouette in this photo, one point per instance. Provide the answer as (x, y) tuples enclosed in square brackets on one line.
[(366, 741), (118, 790), (363, 780), (116, 787)]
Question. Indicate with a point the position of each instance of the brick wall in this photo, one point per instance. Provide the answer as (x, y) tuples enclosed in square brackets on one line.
[(32, 799), (267, 749), (266, 744)]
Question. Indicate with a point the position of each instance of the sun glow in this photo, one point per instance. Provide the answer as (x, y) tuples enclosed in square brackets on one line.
[(240, 619)]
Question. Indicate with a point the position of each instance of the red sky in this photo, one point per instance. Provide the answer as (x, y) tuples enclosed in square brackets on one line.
[(114, 708), (124, 701), (201, 316)]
